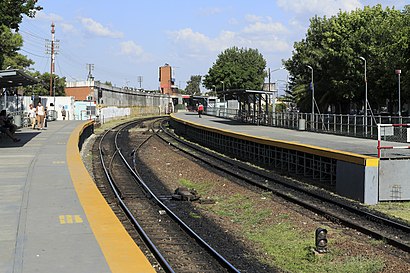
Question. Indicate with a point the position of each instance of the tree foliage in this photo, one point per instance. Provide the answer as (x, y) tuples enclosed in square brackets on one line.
[(193, 85), (237, 68), (333, 47), (12, 12), (43, 87)]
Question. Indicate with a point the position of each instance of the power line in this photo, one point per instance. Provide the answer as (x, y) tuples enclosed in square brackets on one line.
[(33, 53)]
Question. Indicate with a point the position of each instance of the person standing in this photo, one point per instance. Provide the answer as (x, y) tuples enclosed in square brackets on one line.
[(32, 116), (63, 113), (200, 109), (40, 115)]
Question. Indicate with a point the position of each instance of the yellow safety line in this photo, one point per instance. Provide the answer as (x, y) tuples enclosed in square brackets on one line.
[(119, 249), (367, 161)]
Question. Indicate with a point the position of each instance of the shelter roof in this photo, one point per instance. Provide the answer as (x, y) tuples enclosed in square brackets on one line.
[(245, 91), (15, 78)]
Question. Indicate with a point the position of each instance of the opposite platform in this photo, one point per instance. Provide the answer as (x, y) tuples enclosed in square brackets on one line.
[(366, 147), (348, 164), (47, 224)]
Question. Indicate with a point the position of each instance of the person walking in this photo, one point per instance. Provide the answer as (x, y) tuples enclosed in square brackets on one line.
[(63, 113), (40, 115), (200, 109), (32, 116)]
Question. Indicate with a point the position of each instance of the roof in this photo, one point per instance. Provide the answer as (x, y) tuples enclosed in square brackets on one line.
[(245, 91), (15, 77)]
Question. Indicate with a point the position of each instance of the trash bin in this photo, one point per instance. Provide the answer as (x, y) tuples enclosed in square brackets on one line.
[(17, 120), (302, 125)]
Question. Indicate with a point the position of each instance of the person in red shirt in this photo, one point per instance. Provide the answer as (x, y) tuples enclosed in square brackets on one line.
[(200, 109)]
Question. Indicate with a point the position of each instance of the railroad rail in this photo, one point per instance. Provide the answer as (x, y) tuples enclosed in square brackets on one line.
[(176, 247), (337, 209)]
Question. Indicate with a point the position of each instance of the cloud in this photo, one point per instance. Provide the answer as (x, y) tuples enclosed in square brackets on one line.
[(130, 48), (265, 28), (260, 32), (67, 27), (52, 17), (98, 29), (319, 7)]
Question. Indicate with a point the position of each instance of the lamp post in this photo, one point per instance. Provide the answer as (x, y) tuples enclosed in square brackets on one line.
[(365, 95), (313, 94), (269, 73), (223, 89), (398, 72)]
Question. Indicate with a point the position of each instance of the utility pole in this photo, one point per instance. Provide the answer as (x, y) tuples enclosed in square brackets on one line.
[(90, 68), (139, 79), (51, 49)]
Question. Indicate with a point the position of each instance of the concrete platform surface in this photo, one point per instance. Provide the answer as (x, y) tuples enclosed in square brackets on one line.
[(360, 146), (44, 225)]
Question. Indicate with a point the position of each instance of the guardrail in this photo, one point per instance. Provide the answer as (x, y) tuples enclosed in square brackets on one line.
[(340, 124)]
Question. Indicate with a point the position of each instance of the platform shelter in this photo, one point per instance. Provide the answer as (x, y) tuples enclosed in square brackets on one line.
[(254, 105)]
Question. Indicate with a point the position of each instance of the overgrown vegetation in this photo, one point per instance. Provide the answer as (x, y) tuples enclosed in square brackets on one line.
[(283, 244), (396, 209)]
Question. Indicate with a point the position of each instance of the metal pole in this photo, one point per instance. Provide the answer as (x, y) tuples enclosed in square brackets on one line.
[(313, 95), (398, 71), (365, 99)]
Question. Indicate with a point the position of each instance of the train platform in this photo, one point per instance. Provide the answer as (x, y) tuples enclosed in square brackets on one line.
[(367, 147), (347, 164), (54, 219)]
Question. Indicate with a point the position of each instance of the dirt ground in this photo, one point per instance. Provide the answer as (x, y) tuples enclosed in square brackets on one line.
[(168, 165)]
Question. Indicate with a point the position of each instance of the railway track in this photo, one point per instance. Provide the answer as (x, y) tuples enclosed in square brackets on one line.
[(174, 244), (336, 209)]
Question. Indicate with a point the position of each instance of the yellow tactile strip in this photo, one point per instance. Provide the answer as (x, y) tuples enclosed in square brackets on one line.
[(120, 251)]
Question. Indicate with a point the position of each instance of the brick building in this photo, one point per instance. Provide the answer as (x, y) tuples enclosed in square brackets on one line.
[(166, 80)]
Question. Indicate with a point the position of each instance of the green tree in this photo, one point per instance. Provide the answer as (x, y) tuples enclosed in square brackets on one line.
[(193, 85), (10, 43), (12, 12), (237, 68), (333, 46), (43, 87)]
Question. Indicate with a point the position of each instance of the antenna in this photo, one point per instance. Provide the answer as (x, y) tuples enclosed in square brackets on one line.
[(139, 79), (90, 68)]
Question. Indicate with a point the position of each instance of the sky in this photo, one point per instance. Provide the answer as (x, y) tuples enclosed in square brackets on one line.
[(125, 39)]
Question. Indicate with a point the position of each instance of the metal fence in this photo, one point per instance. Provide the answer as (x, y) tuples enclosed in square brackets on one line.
[(347, 125)]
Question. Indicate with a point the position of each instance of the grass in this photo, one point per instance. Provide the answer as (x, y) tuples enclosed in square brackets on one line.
[(284, 245), (396, 209), (201, 188)]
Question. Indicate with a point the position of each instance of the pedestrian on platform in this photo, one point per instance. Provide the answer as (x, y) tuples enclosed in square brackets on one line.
[(45, 118), (32, 116), (63, 113), (41, 113), (7, 127), (200, 109)]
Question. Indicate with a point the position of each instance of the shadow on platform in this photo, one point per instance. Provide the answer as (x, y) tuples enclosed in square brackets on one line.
[(25, 137)]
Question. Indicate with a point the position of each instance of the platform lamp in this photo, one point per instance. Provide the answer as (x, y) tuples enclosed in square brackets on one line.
[(223, 88), (313, 94), (365, 95), (398, 72)]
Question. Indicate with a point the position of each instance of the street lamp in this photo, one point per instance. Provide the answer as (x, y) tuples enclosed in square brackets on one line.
[(365, 96), (313, 94), (398, 72), (223, 89), (269, 73)]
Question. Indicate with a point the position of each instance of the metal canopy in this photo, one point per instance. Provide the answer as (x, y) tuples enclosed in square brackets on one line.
[(244, 91), (15, 78)]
